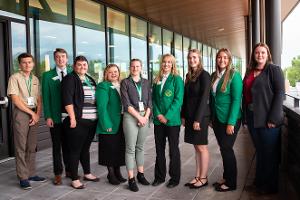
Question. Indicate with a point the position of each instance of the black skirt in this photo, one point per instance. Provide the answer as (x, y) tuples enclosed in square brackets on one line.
[(192, 136), (112, 149)]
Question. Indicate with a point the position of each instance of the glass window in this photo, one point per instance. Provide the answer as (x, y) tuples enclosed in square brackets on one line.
[(178, 54), (186, 47), (52, 29), (90, 36), (118, 40), (193, 44), (155, 49), (18, 33), (13, 8), (200, 47), (214, 53), (205, 58), (139, 42), (167, 41), (209, 64)]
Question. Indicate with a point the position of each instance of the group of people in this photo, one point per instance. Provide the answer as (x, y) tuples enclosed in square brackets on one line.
[(75, 108)]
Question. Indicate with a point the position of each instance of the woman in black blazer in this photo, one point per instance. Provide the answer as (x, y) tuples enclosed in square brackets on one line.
[(262, 104), (78, 99), (195, 115)]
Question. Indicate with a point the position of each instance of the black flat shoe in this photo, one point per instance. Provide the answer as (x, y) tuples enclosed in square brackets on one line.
[(113, 180), (157, 182), (189, 184), (220, 189), (194, 186), (132, 185), (141, 179), (172, 184)]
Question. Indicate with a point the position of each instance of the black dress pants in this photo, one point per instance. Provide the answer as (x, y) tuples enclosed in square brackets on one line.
[(226, 143), (162, 132), (59, 149), (79, 140)]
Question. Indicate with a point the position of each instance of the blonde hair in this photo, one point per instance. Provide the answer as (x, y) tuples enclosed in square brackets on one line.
[(228, 70), (193, 75), (105, 75), (173, 70)]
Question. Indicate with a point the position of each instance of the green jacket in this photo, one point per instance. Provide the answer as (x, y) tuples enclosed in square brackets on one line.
[(226, 106), (109, 108), (168, 102), (51, 91)]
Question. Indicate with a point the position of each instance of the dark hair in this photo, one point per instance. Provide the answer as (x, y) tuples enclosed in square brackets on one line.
[(24, 55), (135, 59), (80, 58), (60, 50), (253, 63)]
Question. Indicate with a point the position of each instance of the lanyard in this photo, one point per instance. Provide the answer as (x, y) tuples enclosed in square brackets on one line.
[(29, 84), (87, 81), (138, 88)]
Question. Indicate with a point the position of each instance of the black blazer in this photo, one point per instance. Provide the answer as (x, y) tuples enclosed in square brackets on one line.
[(267, 96), (72, 93), (196, 98)]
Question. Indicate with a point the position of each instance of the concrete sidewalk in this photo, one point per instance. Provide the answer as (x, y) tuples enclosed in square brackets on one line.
[(9, 188)]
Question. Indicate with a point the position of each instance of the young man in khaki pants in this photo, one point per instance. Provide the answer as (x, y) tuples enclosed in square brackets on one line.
[(24, 91)]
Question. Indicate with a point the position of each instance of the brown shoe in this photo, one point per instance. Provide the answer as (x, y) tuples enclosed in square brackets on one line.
[(57, 180)]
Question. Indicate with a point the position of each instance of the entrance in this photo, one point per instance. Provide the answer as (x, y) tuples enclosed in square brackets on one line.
[(4, 140)]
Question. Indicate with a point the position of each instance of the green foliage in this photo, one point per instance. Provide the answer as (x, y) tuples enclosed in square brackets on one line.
[(292, 73)]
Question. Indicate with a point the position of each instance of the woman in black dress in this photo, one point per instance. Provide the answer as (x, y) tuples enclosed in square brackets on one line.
[(195, 115)]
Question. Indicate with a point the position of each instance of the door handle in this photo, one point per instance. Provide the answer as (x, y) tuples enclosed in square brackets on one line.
[(3, 102)]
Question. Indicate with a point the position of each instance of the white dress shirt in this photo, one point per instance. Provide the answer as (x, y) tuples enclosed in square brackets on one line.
[(59, 70), (219, 76)]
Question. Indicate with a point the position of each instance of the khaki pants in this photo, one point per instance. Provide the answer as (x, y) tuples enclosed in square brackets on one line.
[(25, 139)]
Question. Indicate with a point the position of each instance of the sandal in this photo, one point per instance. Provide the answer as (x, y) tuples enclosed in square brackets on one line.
[(190, 184), (194, 186)]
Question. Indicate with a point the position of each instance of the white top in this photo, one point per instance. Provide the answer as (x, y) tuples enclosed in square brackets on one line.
[(164, 78), (59, 70), (219, 76)]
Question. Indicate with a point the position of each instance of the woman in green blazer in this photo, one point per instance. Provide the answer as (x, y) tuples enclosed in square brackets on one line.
[(226, 94), (167, 98), (109, 128)]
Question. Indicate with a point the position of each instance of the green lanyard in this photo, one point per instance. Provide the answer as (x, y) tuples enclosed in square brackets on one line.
[(87, 81), (138, 88), (29, 84)]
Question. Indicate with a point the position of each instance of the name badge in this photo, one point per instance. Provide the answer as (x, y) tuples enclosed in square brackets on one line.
[(30, 101), (141, 107)]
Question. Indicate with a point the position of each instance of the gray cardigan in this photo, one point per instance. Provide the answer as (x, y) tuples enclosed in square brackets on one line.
[(130, 96), (267, 96)]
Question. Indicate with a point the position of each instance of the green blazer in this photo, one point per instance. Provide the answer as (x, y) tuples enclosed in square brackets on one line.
[(168, 102), (226, 106), (109, 108), (51, 91)]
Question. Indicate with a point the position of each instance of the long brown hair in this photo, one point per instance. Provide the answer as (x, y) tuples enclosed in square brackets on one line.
[(228, 70), (173, 70), (193, 75), (105, 78), (253, 63)]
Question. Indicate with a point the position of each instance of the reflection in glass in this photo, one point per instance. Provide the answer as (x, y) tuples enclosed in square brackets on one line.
[(167, 41), (18, 33), (214, 53), (90, 36), (186, 47), (13, 8), (205, 57), (209, 58), (139, 42), (155, 49), (193, 44), (118, 40), (52, 28), (178, 54)]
